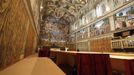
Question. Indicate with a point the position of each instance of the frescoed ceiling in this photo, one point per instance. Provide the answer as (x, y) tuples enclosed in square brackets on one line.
[(56, 17), (62, 9)]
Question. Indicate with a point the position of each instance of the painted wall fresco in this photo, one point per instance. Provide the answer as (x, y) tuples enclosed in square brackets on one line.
[(14, 27), (36, 9), (54, 32)]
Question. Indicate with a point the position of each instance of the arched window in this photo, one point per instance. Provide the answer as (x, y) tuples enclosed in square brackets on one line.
[(98, 10)]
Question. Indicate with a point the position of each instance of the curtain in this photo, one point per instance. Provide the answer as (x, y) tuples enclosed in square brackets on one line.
[(93, 64), (129, 67), (44, 52)]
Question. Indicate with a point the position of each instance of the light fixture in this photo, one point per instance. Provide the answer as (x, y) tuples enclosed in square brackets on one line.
[(107, 8), (41, 7)]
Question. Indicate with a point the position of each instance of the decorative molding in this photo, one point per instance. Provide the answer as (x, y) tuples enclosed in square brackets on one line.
[(86, 40)]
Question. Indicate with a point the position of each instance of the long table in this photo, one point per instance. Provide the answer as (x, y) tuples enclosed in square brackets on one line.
[(120, 62)]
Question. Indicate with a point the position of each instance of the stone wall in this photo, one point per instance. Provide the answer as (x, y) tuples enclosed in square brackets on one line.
[(16, 32)]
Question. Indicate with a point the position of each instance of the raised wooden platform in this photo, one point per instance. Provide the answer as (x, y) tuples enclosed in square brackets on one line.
[(33, 66)]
